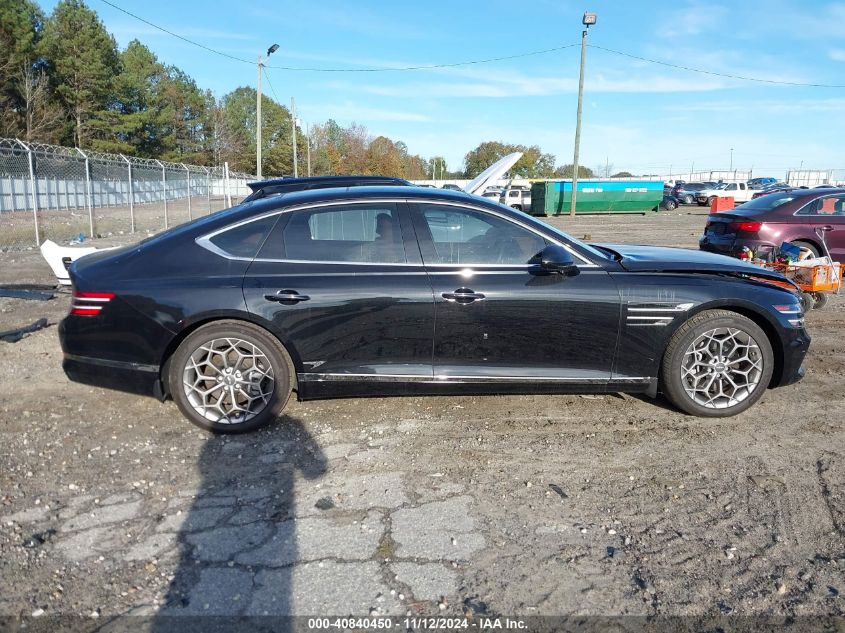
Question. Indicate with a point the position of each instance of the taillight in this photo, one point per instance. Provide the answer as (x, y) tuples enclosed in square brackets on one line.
[(746, 227), (89, 303)]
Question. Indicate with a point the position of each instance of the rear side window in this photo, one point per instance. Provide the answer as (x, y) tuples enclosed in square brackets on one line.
[(246, 239), (828, 205), (356, 233)]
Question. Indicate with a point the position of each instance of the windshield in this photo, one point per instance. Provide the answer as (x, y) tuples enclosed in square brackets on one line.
[(767, 203), (721, 185)]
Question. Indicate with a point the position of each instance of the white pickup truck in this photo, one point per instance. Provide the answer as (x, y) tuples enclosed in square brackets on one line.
[(739, 191)]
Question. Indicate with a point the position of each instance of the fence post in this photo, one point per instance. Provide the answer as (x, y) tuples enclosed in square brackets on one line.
[(208, 188), (188, 171), (33, 189), (164, 188), (131, 196), (88, 193), (226, 183)]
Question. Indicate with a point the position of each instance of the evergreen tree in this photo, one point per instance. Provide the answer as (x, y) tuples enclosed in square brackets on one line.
[(21, 25), (84, 62)]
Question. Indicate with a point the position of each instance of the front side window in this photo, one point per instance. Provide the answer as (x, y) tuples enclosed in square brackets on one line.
[(466, 236), (359, 233)]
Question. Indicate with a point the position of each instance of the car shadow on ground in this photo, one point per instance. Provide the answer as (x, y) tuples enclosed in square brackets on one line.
[(237, 540)]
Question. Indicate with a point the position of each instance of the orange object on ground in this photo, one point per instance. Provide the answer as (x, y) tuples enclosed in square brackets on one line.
[(721, 204)]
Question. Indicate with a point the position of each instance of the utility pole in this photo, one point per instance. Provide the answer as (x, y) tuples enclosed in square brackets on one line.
[(308, 148), (270, 51), (588, 20), (293, 133), (258, 125)]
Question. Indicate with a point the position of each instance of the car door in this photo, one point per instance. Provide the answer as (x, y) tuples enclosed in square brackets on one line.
[(826, 216), (342, 284), (498, 315)]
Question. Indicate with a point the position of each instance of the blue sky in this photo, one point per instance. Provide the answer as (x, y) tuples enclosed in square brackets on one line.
[(640, 116)]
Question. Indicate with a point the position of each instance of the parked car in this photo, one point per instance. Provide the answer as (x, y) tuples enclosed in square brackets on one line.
[(669, 202), (328, 293), (739, 191), (279, 186), (452, 187), (760, 183), (775, 188), (800, 216), (685, 191), (516, 198)]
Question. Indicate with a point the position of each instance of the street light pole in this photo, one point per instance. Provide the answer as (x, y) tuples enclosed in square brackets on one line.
[(588, 20), (293, 133), (270, 51), (732, 160)]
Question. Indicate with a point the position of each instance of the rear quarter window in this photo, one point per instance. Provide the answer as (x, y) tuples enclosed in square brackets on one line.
[(244, 240)]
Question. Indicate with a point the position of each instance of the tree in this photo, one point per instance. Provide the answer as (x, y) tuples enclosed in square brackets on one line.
[(41, 115), (21, 25), (84, 62), (534, 163), (565, 171), (237, 133), (623, 174)]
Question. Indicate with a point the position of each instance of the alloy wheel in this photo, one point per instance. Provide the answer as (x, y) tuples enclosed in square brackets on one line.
[(721, 368), (228, 380)]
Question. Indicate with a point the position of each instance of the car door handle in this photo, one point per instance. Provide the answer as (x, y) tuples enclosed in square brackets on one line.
[(287, 296), (463, 295)]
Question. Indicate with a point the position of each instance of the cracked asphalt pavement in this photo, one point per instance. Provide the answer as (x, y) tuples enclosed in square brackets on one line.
[(112, 504)]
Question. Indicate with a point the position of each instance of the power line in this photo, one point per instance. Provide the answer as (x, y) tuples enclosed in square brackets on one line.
[(717, 74), (473, 61), (270, 83), (340, 70)]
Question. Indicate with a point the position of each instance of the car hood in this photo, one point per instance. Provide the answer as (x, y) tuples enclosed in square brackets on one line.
[(667, 259)]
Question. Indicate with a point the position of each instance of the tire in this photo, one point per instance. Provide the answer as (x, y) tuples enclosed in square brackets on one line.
[(702, 204), (516, 206), (688, 199), (253, 399), (808, 301), (819, 300), (669, 205), (808, 245), (694, 392)]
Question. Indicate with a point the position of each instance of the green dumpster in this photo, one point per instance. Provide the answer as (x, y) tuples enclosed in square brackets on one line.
[(553, 197)]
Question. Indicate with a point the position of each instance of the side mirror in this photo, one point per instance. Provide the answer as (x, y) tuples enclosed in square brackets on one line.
[(557, 259)]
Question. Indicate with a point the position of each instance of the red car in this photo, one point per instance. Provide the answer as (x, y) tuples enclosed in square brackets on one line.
[(801, 216)]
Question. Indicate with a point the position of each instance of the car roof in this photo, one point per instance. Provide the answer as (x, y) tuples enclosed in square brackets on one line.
[(317, 181), (356, 192)]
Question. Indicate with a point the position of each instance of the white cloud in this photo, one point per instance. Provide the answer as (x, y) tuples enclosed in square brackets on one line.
[(837, 54)]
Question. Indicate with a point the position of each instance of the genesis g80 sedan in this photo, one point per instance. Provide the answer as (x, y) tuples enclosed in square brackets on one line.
[(367, 291)]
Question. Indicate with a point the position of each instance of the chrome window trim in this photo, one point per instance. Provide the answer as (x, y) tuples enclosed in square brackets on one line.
[(205, 240), (445, 379)]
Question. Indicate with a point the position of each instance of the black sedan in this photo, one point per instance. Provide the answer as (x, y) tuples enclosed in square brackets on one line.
[(403, 290)]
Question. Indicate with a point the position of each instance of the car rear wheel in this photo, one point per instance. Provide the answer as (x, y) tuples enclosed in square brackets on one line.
[(717, 364), (810, 247), (230, 377), (669, 205)]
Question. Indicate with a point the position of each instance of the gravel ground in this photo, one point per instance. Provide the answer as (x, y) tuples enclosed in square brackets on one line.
[(112, 504)]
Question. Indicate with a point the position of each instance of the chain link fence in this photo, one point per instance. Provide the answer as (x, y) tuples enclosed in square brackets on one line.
[(65, 193)]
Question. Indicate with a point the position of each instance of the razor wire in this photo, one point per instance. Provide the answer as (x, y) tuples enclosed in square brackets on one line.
[(66, 193)]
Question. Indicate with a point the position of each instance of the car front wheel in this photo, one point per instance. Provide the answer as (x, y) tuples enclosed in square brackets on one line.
[(230, 377), (717, 364)]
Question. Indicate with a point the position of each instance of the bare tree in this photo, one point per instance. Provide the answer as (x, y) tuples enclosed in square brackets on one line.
[(42, 116)]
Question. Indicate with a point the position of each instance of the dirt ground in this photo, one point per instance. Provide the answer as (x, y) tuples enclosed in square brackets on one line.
[(112, 504)]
